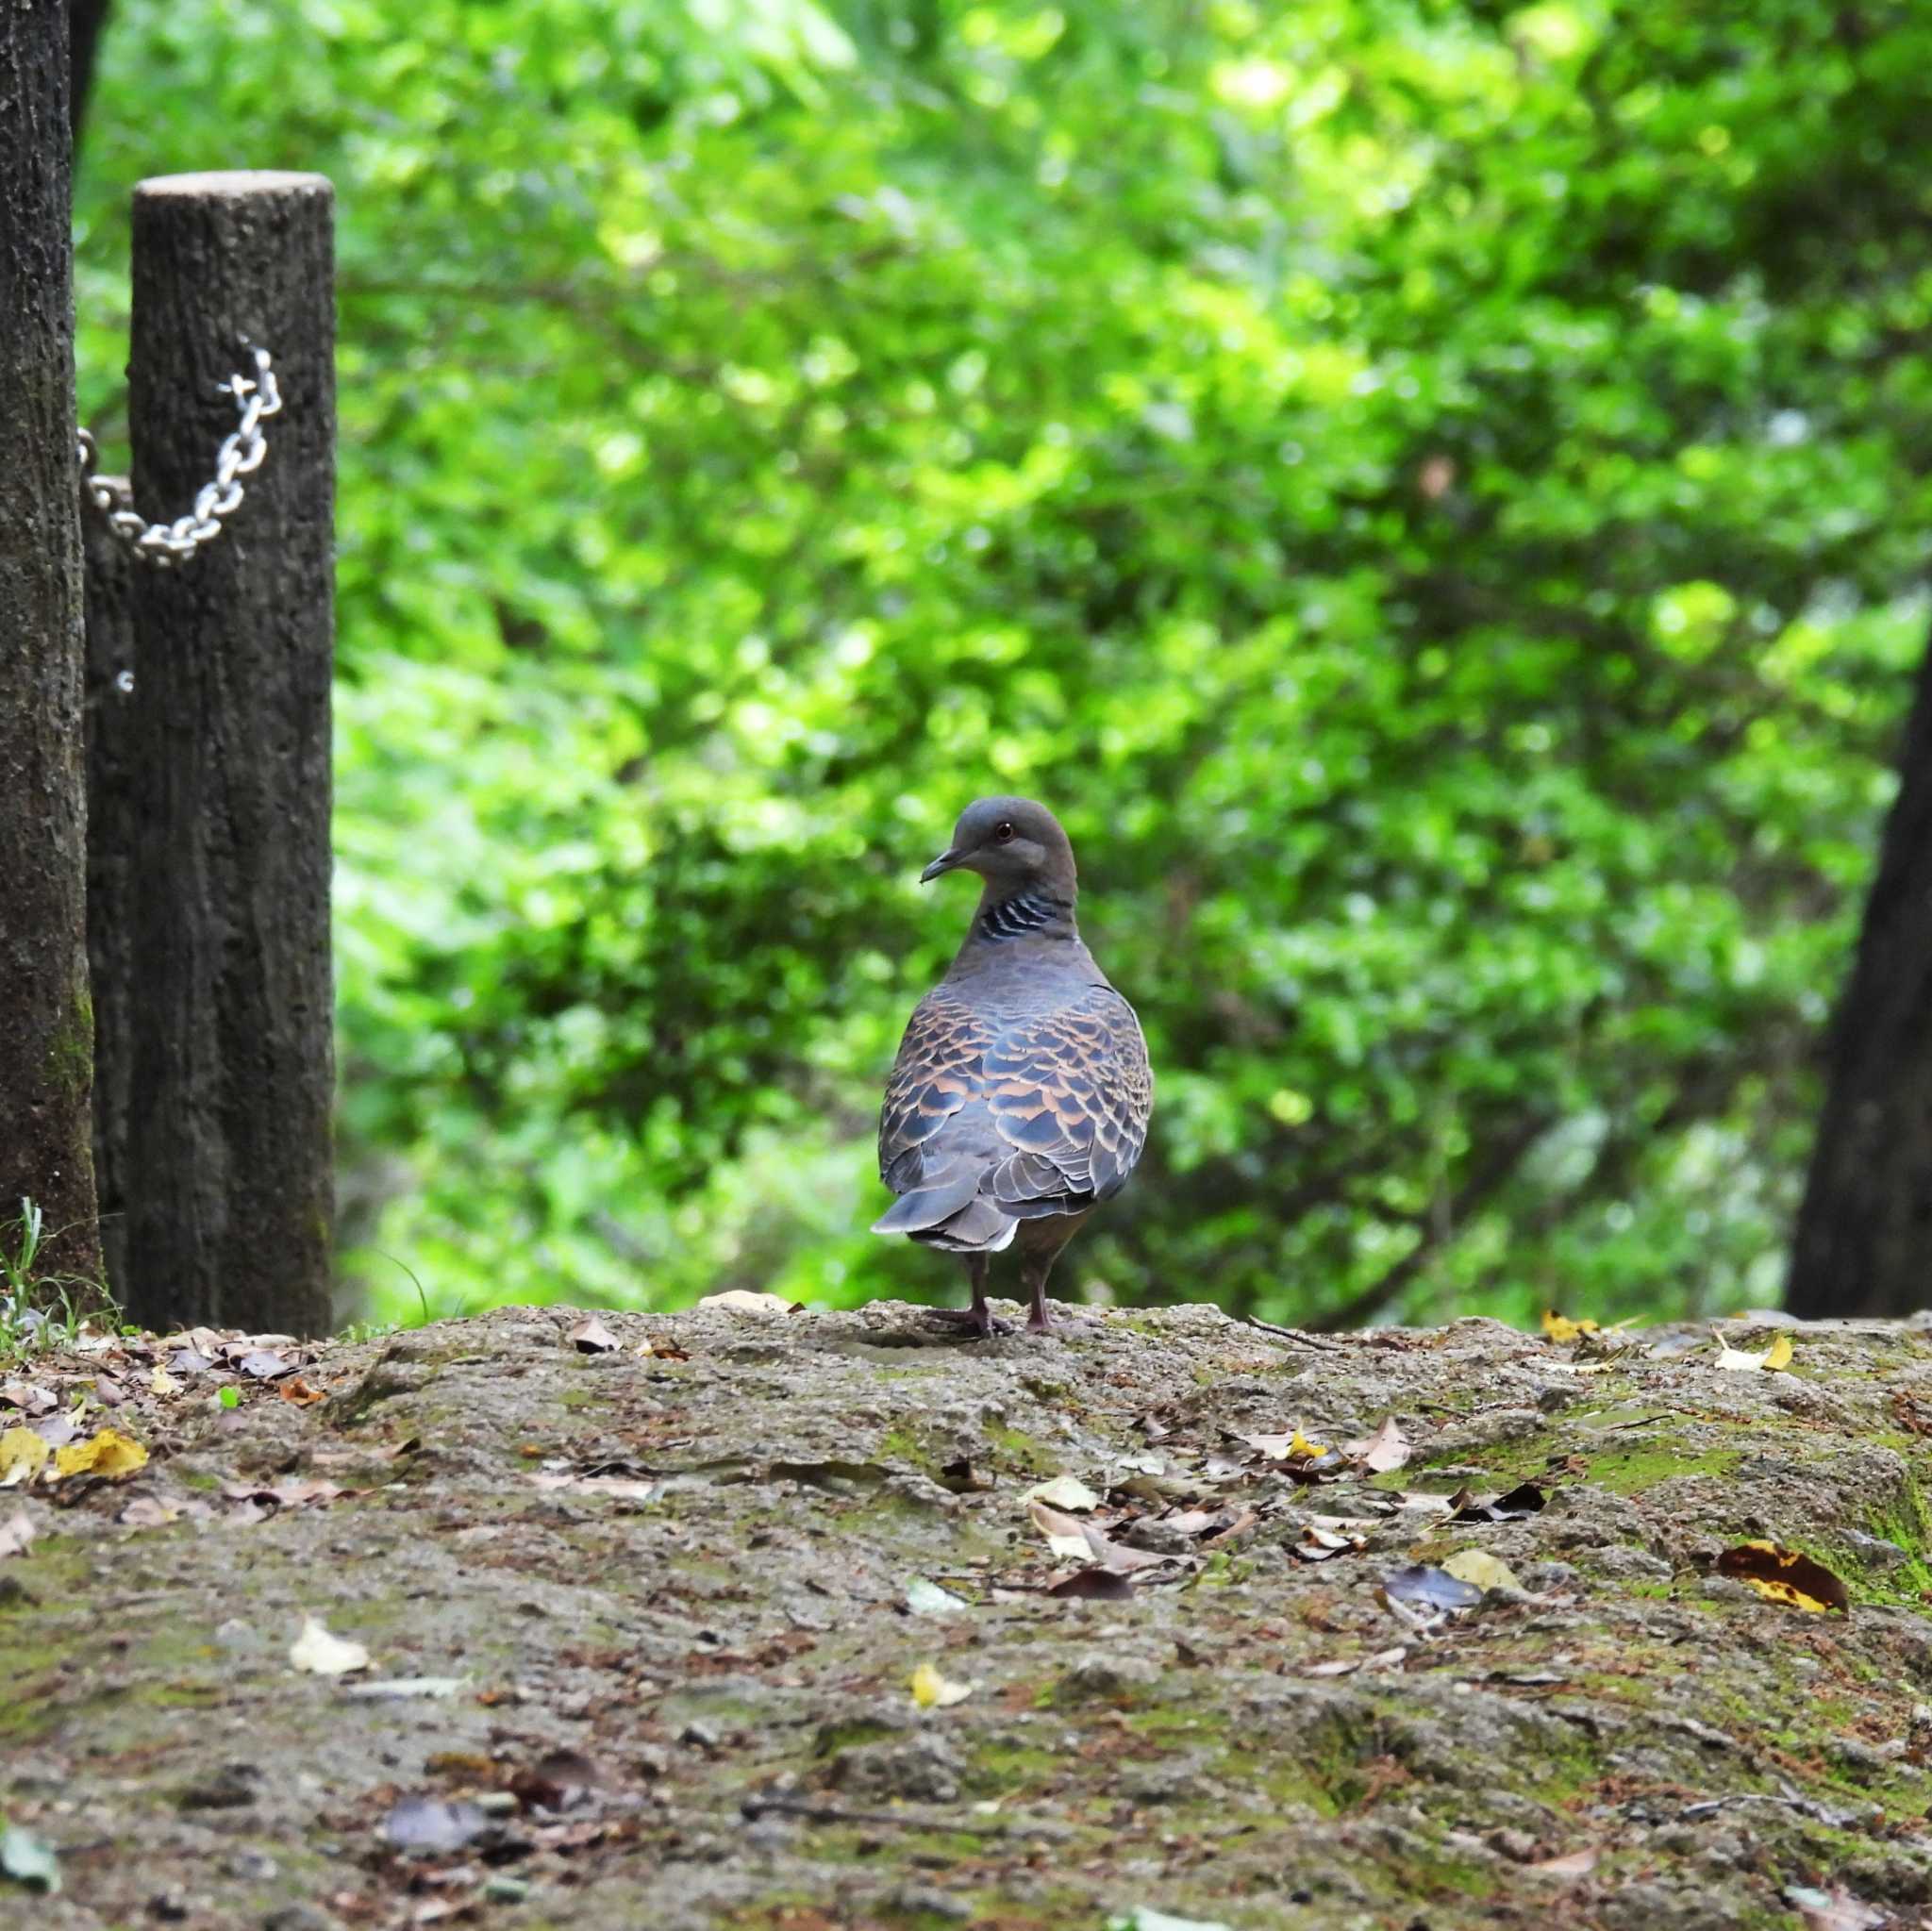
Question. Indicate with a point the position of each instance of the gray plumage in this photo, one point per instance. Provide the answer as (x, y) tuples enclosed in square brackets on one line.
[(1021, 1094)]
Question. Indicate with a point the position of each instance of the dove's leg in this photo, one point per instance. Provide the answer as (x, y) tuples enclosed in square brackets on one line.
[(977, 1319), (1040, 1247)]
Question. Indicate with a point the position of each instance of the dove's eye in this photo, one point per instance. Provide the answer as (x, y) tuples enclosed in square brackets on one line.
[(1002, 830)]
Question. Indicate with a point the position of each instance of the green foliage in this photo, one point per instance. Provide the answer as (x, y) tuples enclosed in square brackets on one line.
[(1435, 493), (40, 1308)]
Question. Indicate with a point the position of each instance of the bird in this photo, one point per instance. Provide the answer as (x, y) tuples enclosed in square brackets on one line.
[(1021, 1094)]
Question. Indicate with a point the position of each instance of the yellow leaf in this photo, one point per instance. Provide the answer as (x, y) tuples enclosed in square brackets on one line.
[(930, 1690), (107, 1452), (1302, 1449), (1559, 1327), (1483, 1570), (23, 1455), (1775, 1358), (161, 1382), (1786, 1576)]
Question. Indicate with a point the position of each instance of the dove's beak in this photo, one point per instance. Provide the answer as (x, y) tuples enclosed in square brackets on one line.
[(947, 860)]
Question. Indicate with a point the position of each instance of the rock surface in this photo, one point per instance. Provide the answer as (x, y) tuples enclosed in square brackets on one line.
[(649, 1625)]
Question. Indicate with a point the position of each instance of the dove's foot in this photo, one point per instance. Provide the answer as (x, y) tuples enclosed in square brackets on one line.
[(977, 1323)]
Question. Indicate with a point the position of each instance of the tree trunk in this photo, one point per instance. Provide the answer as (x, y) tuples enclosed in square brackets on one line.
[(46, 1027), (111, 826), (231, 1185), (1863, 1243)]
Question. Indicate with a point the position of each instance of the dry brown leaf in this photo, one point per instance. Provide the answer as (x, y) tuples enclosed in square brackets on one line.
[(591, 1337), (147, 1512), (297, 1391), (1571, 1864), (1083, 1541), (1387, 1449), (1784, 1576)]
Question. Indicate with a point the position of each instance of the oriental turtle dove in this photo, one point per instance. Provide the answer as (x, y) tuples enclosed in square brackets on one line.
[(1021, 1094)]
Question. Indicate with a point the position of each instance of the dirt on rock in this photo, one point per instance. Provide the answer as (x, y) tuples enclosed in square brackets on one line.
[(745, 1618)]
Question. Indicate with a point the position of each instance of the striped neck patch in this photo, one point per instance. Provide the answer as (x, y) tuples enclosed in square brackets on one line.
[(1013, 918)]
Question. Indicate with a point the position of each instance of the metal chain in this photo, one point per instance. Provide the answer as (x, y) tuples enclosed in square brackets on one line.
[(164, 544)]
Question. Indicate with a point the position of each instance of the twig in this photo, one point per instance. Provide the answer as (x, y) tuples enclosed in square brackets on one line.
[(810, 1810), (1294, 1334)]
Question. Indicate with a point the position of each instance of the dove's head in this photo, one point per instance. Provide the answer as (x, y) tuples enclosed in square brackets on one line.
[(1015, 844)]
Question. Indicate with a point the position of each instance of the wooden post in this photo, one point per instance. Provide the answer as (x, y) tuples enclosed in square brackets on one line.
[(230, 1189), (46, 1030), (113, 817)]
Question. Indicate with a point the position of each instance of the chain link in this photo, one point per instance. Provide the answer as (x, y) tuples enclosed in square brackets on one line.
[(164, 544)]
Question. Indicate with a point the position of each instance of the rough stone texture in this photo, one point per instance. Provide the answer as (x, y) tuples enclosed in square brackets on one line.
[(46, 1031), (229, 1185), (675, 1588)]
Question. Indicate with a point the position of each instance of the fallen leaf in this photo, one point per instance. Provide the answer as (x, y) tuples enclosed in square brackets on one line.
[(324, 1655), (1383, 1451), (1559, 1327), (109, 1393), (1431, 1589), (1783, 1575), (1064, 1536), (396, 1689), (743, 1301), (1834, 1911), (16, 1532), (1479, 1567), (1063, 1491), (623, 1487), (433, 1825), (190, 1362), (282, 1495), (929, 1599), (28, 1860), (556, 1781), (23, 1455), (161, 1382), (1775, 1358), (1294, 1446), (1571, 1864), (297, 1391), (107, 1452), (147, 1512), (930, 1690), (1322, 1545), (1145, 1918), (264, 1364), (651, 1349), (1078, 1542), (1524, 1500), (963, 1478), (1092, 1585), (591, 1337)]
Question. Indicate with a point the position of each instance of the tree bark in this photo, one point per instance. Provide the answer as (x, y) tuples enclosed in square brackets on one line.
[(112, 806), (230, 1187), (1863, 1243), (46, 1028)]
